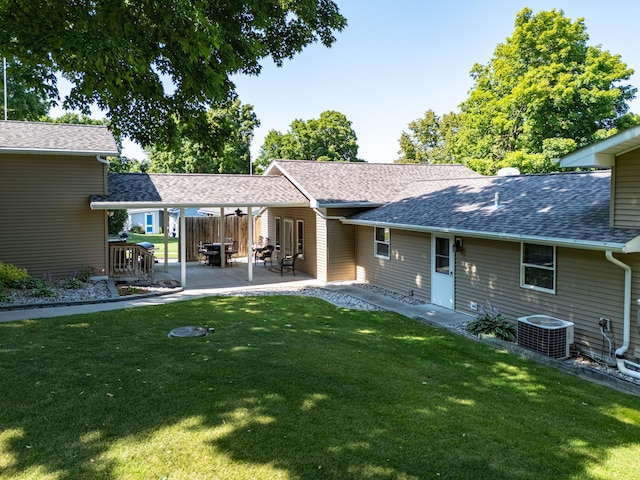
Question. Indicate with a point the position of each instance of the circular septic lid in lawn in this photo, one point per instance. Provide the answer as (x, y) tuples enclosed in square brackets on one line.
[(187, 332)]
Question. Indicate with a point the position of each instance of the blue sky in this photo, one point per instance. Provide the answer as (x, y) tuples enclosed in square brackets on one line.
[(397, 59)]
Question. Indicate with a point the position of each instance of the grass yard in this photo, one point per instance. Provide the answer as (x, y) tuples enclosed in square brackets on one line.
[(294, 388), (158, 241)]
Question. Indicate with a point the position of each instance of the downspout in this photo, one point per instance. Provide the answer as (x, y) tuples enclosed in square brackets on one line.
[(626, 335)]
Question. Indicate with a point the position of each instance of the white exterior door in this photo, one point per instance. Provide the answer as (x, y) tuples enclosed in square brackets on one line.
[(442, 271)]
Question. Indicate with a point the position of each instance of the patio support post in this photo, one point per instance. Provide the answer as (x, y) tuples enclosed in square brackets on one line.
[(183, 249), (223, 253), (165, 213), (250, 243)]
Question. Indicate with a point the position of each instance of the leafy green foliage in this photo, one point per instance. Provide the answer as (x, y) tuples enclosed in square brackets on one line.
[(329, 138), (72, 283), (26, 100), (11, 276), (430, 139), (119, 55), (226, 150), (543, 83), (544, 93), (116, 221), (491, 322)]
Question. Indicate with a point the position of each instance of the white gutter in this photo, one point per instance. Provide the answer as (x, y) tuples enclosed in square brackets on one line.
[(102, 160), (43, 151), (629, 247), (626, 336)]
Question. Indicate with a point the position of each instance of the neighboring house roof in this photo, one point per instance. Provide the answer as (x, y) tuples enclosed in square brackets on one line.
[(56, 138), (569, 209), (177, 190), (603, 154), (340, 184)]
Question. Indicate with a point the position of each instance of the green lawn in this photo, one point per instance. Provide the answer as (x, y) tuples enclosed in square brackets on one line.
[(158, 241), (294, 388)]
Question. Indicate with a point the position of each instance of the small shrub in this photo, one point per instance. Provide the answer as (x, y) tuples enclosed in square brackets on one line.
[(137, 229), (72, 283), (491, 322), (29, 283), (495, 325), (10, 275), (4, 295), (43, 291)]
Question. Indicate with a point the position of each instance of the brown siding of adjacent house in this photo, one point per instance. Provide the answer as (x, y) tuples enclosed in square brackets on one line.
[(588, 287), (48, 197), (626, 191), (407, 270)]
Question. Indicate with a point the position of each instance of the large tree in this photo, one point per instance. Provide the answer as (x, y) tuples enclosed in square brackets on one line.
[(329, 138), (225, 150), (26, 98), (429, 139), (157, 67), (543, 83)]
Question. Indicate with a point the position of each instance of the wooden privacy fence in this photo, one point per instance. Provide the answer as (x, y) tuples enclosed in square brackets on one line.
[(207, 230)]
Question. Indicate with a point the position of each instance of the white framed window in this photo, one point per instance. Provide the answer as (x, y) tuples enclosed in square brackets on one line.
[(381, 243), (300, 238), (278, 227), (538, 267)]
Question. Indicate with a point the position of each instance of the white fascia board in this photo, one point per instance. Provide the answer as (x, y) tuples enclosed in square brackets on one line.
[(602, 154), (349, 205), (633, 245), (159, 205), (510, 237)]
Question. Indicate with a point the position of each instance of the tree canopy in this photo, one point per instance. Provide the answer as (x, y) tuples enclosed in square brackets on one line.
[(230, 132), (544, 93), (157, 67), (329, 138), (24, 100)]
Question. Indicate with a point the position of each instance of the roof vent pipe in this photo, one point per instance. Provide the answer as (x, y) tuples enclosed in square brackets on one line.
[(496, 200)]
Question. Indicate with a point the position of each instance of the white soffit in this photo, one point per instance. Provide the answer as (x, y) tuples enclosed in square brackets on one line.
[(604, 153)]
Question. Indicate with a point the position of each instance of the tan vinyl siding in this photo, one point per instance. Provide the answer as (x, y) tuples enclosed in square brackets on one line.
[(626, 194), (340, 251), (407, 271), (306, 264), (587, 287), (48, 197)]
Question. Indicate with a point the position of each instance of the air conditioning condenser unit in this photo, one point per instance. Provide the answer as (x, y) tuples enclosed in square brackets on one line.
[(546, 335)]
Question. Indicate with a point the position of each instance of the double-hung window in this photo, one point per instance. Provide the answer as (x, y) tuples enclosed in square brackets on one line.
[(538, 267), (381, 246)]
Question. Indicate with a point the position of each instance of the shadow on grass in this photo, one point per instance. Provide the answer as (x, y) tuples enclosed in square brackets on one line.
[(293, 388)]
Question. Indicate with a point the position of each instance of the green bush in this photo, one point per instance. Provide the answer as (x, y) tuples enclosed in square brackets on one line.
[(137, 229), (4, 295), (43, 291), (10, 275), (72, 283), (28, 283), (494, 324)]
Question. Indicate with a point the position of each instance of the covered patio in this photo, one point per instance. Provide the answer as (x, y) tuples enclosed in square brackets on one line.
[(180, 191)]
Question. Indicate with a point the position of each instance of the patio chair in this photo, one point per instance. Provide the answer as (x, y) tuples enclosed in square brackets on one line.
[(288, 263), (265, 254), (202, 257), (231, 250)]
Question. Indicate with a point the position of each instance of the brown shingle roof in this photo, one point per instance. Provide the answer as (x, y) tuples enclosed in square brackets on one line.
[(48, 138), (141, 190), (333, 183)]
